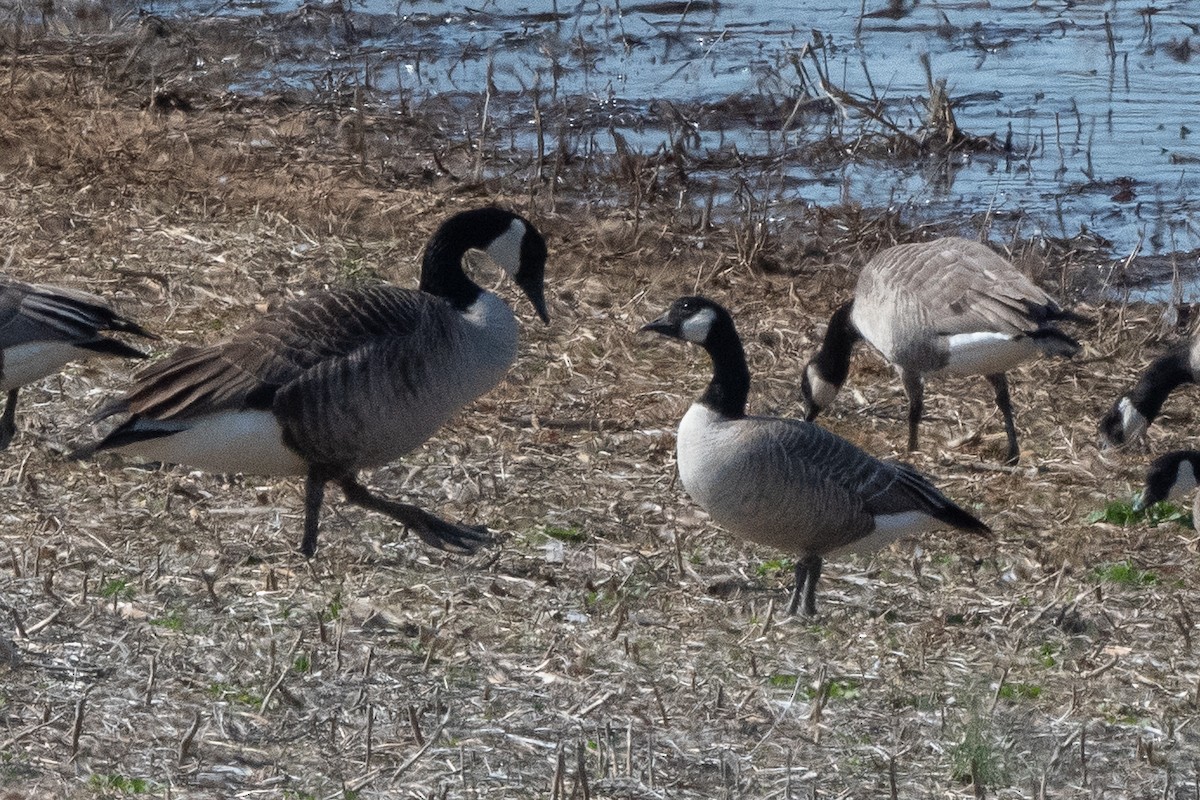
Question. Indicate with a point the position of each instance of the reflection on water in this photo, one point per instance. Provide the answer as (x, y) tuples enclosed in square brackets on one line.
[(1097, 103)]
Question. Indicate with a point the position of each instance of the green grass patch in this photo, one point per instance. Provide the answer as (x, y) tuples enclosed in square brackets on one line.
[(840, 689), (117, 589), (332, 611), (844, 689), (172, 621), (1123, 572), (1120, 512), (357, 268), (1047, 655), (571, 535), (783, 680), (977, 759), (234, 694), (601, 600), (773, 567), (109, 785), (1020, 691)]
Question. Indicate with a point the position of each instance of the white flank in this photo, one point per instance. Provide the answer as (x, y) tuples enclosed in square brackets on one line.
[(1132, 421), (889, 528), (230, 441), (505, 249), (986, 352), (1185, 481), (823, 392), (26, 363), (696, 327)]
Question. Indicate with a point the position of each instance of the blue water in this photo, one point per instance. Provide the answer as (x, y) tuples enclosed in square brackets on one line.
[(1102, 140)]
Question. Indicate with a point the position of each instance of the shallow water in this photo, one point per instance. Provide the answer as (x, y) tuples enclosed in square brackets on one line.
[(1103, 134)]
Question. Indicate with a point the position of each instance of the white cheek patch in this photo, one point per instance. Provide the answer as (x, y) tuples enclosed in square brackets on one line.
[(1132, 421), (696, 327), (505, 249), (823, 392), (986, 352)]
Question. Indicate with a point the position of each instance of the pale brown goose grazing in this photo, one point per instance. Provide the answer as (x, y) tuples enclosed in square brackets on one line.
[(787, 483), (343, 380), (1134, 411), (42, 328), (947, 307)]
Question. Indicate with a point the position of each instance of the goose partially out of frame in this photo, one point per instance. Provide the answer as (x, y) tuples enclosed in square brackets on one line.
[(43, 328), (1134, 411), (1170, 477)]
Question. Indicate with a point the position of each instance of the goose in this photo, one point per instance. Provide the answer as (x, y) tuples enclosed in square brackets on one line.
[(43, 328), (952, 307), (1134, 411), (787, 483), (1171, 476), (343, 380)]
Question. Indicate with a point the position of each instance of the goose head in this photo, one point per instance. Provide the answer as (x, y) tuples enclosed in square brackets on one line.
[(521, 252), (1169, 477), (692, 319), (507, 238)]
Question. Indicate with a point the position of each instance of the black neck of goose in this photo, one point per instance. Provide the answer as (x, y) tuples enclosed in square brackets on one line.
[(730, 385), (442, 272), (832, 360), (1162, 377)]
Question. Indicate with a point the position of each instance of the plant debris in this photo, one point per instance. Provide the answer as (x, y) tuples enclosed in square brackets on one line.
[(166, 639)]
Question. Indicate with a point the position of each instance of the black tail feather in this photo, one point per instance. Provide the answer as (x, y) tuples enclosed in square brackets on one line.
[(112, 347), (1054, 342), (1066, 315), (959, 518), (126, 325), (937, 505), (125, 434)]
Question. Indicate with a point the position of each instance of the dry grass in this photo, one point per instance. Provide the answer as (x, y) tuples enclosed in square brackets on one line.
[(165, 638)]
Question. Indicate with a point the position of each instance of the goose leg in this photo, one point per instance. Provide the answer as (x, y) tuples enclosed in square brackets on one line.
[(808, 571), (999, 382), (8, 422), (433, 531), (914, 387), (314, 494)]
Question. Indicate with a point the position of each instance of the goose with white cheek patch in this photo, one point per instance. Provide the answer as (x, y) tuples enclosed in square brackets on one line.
[(1170, 477), (43, 328), (787, 483), (1135, 410), (947, 307), (344, 380)]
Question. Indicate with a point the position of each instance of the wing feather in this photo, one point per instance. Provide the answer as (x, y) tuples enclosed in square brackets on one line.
[(37, 313), (957, 285), (818, 474), (302, 343)]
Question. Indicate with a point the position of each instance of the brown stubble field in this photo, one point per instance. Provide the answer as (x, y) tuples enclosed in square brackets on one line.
[(164, 639)]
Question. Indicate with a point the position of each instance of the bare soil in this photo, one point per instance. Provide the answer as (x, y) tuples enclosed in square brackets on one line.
[(165, 638)]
